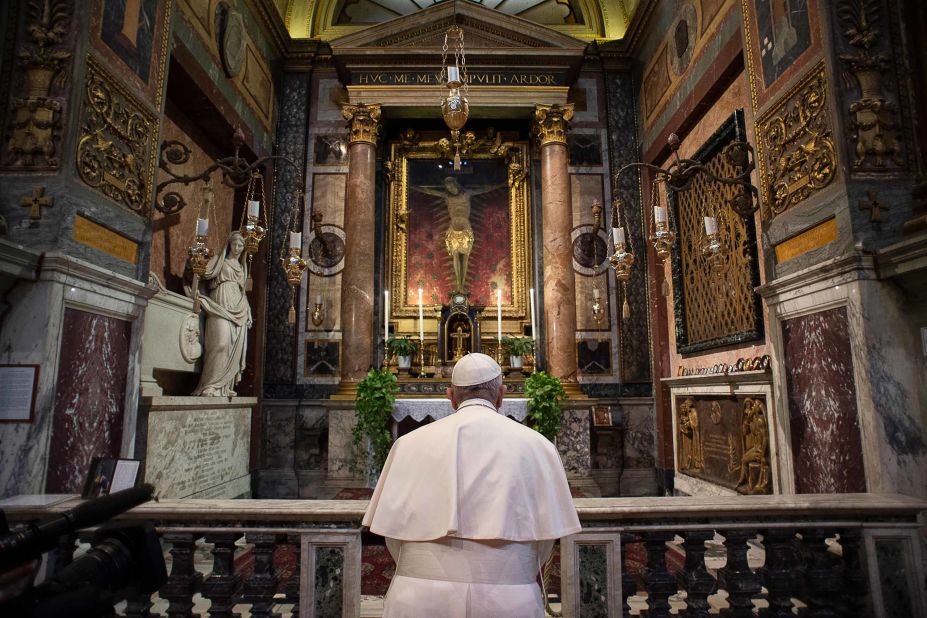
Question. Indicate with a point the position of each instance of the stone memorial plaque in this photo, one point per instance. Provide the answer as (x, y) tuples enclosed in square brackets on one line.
[(201, 453), (725, 441)]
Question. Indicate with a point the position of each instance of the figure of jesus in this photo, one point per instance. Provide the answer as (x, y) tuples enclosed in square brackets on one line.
[(458, 239)]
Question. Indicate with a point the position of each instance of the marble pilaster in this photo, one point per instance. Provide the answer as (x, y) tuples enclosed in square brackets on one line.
[(33, 333), (551, 124), (357, 291)]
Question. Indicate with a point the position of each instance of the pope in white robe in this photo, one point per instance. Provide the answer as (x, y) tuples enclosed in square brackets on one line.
[(470, 506)]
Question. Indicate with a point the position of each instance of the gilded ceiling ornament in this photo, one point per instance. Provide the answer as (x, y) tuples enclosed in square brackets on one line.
[(36, 117), (551, 123), (117, 139), (796, 146), (363, 122), (874, 122)]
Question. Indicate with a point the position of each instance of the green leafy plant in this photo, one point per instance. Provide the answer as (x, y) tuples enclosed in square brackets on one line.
[(376, 395), (545, 393), (403, 345), (517, 346)]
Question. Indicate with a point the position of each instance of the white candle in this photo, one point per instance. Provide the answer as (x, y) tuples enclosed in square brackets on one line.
[(659, 214), (453, 74), (202, 227), (385, 316), (254, 209), (618, 236), (499, 314), (318, 299), (595, 293), (534, 328), (421, 318), (711, 225), (296, 240)]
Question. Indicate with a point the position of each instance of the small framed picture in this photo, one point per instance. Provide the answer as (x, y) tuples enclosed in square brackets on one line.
[(109, 475), (601, 416)]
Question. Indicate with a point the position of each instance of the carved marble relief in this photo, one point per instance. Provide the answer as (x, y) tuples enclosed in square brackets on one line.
[(725, 441), (118, 135), (795, 145), (41, 73), (874, 118)]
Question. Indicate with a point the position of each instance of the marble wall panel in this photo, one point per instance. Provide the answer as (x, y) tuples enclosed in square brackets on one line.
[(90, 397), (823, 415), (198, 447), (340, 446), (279, 357), (639, 436), (623, 148), (574, 442)]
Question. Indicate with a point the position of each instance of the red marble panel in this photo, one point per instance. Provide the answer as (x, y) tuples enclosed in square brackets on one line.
[(826, 445), (90, 397)]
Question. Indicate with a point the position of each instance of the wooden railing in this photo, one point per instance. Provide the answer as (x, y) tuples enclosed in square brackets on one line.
[(776, 556)]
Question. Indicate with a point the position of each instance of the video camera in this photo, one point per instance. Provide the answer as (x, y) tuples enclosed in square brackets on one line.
[(125, 560)]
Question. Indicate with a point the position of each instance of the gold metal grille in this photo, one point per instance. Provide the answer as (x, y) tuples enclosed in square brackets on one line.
[(715, 303)]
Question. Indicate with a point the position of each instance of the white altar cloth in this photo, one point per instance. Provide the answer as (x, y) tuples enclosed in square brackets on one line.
[(438, 408)]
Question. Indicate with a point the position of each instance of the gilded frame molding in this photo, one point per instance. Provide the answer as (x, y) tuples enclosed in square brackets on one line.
[(397, 236)]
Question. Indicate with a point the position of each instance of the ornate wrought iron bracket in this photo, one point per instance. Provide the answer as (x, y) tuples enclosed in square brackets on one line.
[(236, 171), (679, 175)]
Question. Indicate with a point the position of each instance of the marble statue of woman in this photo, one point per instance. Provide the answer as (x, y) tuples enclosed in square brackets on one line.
[(228, 318)]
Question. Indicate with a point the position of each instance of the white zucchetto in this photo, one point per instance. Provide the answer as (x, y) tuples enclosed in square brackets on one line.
[(475, 368)]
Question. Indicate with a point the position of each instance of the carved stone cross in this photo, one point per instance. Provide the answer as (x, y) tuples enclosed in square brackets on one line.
[(36, 201), (873, 205)]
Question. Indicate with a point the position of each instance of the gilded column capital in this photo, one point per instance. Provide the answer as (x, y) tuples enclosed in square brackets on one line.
[(551, 123), (363, 121)]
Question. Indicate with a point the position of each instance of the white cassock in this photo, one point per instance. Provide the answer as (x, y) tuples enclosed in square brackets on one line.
[(470, 507)]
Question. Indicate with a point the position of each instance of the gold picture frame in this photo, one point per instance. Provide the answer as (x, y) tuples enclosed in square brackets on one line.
[(514, 157)]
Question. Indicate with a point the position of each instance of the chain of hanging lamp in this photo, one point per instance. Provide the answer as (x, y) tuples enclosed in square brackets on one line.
[(455, 109)]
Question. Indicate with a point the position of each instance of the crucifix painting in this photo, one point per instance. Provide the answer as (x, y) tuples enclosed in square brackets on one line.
[(459, 231), (460, 234)]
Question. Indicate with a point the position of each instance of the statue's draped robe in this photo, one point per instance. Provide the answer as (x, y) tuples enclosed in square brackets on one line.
[(228, 316), (470, 506)]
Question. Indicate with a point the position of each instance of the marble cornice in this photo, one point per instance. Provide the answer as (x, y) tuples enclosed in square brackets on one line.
[(68, 270), (723, 379), (844, 269), (163, 404), (18, 261), (903, 257)]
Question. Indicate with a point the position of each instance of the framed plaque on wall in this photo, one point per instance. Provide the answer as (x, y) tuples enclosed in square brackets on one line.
[(18, 386)]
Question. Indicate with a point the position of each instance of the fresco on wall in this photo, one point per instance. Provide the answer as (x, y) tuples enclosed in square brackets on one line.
[(784, 33)]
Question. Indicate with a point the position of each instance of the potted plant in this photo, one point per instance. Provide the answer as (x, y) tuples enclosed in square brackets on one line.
[(516, 348), (372, 438), (403, 347), (544, 393)]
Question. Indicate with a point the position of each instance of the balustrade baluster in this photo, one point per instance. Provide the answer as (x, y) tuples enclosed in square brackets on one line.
[(741, 583), (261, 586), (855, 582), (292, 586), (628, 583), (824, 574), (658, 581), (695, 578), (222, 585), (184, 580), (783, 571)]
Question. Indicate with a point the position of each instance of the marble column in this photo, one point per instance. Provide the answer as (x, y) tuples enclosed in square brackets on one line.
[(550, 124), (357, 294)]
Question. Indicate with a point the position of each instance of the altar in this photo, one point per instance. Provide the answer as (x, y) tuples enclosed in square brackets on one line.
[(437, 408)]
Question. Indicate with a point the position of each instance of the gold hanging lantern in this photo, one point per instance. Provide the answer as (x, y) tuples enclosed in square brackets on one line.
[(198, 252), (623, 258), (293, 264), (253, 222)]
